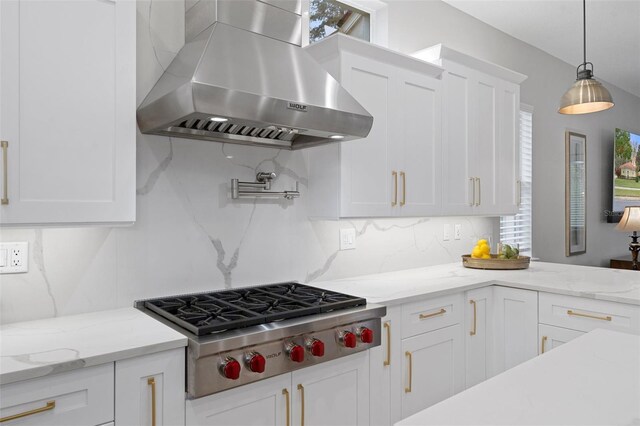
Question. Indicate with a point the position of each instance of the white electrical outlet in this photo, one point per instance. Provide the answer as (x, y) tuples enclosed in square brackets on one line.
[(446, 235), (14, 258), (347, 239), (457, 231)]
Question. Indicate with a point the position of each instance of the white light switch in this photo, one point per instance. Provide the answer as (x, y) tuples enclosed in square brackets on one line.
[(347, 239), (457, 231), (446, 235), (14, 258)]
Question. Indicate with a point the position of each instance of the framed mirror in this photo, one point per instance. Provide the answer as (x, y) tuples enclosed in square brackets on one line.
[(575, 207)]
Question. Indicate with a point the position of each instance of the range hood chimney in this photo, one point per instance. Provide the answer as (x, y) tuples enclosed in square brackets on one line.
[(243, 78)]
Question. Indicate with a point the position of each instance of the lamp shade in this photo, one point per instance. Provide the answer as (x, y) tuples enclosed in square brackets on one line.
[(585, 96), (630, 219)]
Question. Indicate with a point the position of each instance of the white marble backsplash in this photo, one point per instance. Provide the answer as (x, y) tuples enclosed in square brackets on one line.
[(190, 236)]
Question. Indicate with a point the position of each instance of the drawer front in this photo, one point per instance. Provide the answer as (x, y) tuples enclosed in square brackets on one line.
[(551, 337), (582, 314), (432, 314), (79, 397)]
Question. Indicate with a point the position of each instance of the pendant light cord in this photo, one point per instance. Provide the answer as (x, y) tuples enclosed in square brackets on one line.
[(584, 30)]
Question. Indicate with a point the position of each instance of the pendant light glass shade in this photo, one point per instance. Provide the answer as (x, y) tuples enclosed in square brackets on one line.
[(587, 94)]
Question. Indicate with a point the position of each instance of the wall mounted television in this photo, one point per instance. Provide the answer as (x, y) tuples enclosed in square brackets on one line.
[(626, 172)]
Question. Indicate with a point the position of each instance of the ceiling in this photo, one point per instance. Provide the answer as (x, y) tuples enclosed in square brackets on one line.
[(555, 26)]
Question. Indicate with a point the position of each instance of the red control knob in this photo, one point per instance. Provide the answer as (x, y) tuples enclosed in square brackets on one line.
[(348, 339), (316, 347), (230, 369), (366, 335), (296, 353), (256, 362)]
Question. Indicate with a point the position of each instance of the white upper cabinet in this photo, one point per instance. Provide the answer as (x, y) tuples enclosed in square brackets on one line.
[(67, 111), (480, 134), (396, 170)]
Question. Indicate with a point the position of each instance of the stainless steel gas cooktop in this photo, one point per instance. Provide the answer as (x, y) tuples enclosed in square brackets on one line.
[(244, 335)]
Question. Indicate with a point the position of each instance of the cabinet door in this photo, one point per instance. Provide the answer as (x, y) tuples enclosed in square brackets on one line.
[(484, 119), (479, 335), (68, 110), (332, 393), (508, 148), (367, 185), (419, 128), (552, 337), (457, 188), (384, 371), (261, 404), (149, 381), (516, 326), (433, 368)]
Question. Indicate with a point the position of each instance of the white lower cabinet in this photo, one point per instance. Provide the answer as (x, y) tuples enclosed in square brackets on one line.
[(432, 368), (79, 397), (515, 326), (478, 335), (552, 337), (384, 368), (148, 383), (331, 393)]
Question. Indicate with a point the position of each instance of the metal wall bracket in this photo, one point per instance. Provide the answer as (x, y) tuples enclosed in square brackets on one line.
[(260, 188)]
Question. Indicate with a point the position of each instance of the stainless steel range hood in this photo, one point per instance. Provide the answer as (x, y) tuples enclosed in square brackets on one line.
[(243, 78)]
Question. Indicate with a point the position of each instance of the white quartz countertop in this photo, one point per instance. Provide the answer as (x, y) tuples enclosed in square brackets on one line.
[(39, 348), (402, 286), (591, 380)]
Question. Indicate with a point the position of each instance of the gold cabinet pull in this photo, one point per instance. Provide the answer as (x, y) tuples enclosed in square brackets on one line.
[(50, 406), (544, 341), (473, 195), (578, 314), (435, 314), (387, 361), (475, 311), (5, 178), (285, 392), (403, 175), (152, 382), (479, 192), (395, 188), (409, 355), (301, 389)]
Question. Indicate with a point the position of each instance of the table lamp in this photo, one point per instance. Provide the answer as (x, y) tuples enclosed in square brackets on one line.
[(631, 222)]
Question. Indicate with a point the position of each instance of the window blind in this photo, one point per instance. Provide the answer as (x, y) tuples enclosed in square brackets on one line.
[(517, 229)]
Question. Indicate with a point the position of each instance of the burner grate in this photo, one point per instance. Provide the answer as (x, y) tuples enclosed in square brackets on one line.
[(212, 312)]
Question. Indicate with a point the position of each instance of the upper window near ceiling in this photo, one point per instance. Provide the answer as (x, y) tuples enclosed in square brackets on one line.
[(329, 16)]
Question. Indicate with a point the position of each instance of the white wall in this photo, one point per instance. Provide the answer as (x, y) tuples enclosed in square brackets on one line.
[(414, 25), (189, 236)]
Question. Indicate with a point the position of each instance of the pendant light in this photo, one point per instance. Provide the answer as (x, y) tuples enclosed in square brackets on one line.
[(586, 95)]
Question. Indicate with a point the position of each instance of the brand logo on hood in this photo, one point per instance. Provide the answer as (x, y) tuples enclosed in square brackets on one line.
[(297, 106)]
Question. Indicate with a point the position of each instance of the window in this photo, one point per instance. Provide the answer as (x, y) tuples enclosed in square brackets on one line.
[(329, 16), (517, 229)]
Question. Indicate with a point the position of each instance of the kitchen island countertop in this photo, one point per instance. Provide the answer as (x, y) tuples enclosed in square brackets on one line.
[(398, 287), (591, 380), (38, 348)]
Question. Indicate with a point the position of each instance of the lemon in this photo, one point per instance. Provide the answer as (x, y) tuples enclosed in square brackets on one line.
[(485, 249), (476, 253), (486, 256), (480, 242)]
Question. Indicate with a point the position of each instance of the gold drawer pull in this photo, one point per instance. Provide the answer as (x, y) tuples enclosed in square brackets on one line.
[(578, 314), (301, 389), (435, 314), (544, 341), (475, 311), (152, 382), (5, 181), (387, 325), (285, 392), (408, 354), (50, 406)]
